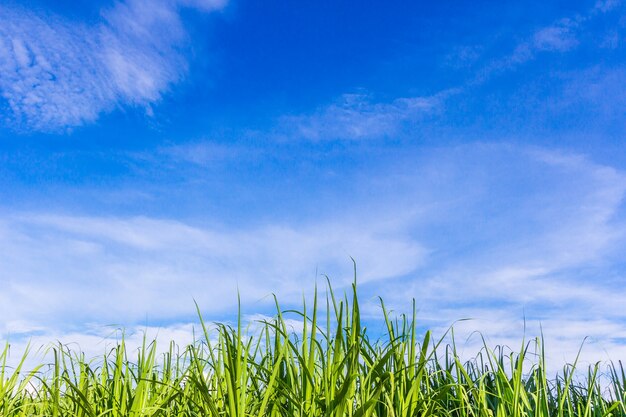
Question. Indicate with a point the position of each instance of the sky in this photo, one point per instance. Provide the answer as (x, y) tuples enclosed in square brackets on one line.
[(468, 155)]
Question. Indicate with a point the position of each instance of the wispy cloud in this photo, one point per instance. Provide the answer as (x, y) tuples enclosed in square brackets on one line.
[(561, 223), (543, 261), (360, 117), (56, 73), (140, 266), (200, 153), (561, 36), (604, 6), (599, 91), (449, 232), (357, 117)]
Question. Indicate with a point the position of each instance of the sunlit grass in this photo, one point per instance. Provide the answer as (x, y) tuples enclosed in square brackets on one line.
[(328, 367)]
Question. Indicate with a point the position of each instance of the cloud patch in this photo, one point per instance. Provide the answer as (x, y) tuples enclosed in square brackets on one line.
[(559, 37), (57, 74), (122, 269), (357, 117)]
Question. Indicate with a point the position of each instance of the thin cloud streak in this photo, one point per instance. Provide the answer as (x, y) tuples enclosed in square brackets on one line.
[(561, 36), (357, 117)]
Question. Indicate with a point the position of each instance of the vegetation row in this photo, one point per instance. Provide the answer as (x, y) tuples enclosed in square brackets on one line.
[(328, 367)]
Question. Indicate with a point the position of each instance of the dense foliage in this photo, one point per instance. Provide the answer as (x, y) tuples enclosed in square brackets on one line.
[(329, 367)]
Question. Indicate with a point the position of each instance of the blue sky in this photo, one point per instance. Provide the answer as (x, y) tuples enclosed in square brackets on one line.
[(470, 156)]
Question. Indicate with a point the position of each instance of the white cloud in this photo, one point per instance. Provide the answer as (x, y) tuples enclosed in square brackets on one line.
[(96, 341), (56, 73), (559, 37), (601, 339), (563, 35), (562, 221), (201, 153), (357, 117), (491, 232), (122, 269), (538, 243), (604, 6)]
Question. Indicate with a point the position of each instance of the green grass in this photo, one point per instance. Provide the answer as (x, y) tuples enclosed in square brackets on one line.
[(329, 367)]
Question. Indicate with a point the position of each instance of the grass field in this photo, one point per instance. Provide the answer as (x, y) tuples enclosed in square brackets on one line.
[(329, 367)]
